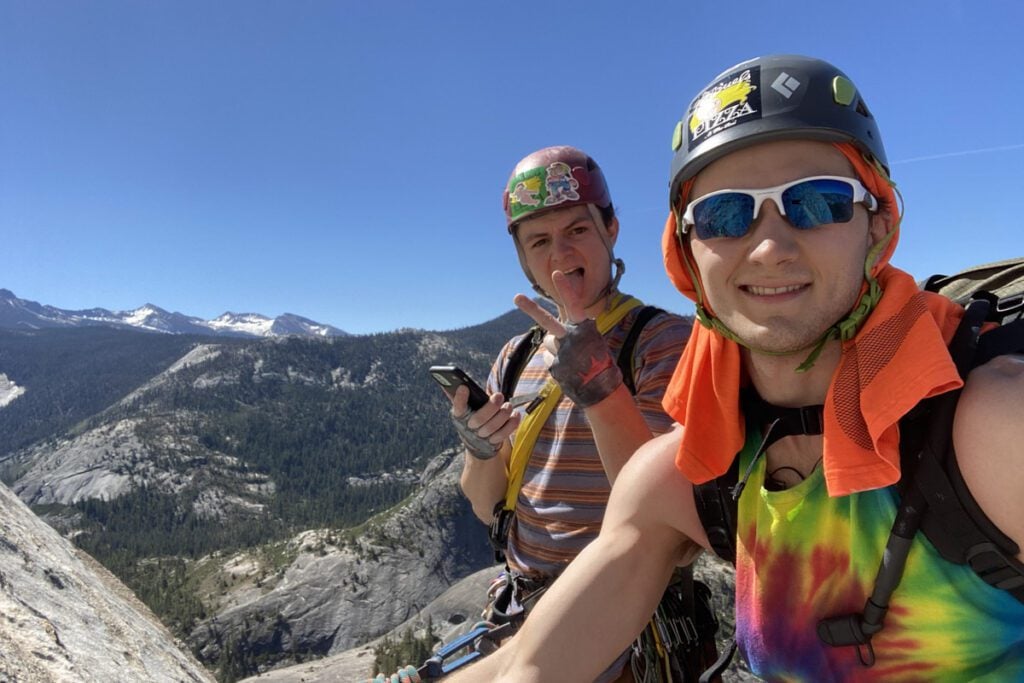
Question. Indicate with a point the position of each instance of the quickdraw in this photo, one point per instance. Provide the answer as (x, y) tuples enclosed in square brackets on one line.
[(465, 649), (483, 639)]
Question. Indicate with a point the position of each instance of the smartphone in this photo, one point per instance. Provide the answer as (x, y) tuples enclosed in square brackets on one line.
[(450, 377)]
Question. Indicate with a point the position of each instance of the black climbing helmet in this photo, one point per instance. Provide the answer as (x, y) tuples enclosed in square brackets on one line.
[(778, 97)]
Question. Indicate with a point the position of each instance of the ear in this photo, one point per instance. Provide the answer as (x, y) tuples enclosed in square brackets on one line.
[(879, 226), (613, 230)]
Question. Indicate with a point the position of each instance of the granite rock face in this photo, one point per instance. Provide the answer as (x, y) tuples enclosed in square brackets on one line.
[(339, 593), (458, 608), (65, 618), (452, 613)]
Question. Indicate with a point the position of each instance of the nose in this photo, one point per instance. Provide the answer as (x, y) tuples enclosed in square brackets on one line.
[(560, 247), (773, 239)]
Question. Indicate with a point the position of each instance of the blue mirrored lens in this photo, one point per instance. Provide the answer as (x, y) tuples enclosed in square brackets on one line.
[(723, 215), (818, 202)]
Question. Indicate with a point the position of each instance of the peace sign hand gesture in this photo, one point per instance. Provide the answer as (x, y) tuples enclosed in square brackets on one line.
[(583, 367)]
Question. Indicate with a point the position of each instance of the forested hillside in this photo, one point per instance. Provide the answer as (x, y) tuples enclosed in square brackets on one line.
[(156, 450), (73, 374)]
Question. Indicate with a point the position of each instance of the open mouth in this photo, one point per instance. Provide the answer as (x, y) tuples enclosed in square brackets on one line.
[(574, 273)]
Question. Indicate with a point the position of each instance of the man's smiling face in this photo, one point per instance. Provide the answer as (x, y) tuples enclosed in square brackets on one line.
[(777, 287)]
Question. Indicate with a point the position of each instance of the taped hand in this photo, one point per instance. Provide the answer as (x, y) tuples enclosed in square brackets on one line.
[(483, 431), (476, 445), (583, 366)]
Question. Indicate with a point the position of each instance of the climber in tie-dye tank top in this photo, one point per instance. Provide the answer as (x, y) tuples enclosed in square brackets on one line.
[(783, 222)]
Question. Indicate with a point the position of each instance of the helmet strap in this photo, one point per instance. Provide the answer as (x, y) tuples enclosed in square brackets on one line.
[(616, 266), (846, 329)]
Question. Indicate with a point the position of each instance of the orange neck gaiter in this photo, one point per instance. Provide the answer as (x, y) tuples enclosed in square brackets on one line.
[(897, 359)]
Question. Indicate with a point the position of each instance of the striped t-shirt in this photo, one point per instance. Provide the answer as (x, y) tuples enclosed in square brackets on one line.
[(565, 490)]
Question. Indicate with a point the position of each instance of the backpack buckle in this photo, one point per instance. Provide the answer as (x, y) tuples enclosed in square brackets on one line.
[(497, 533), (994, 567), (811, 420), (1009, 305)]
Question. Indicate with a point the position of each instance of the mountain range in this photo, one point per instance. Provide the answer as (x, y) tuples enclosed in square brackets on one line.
[(22, 314)]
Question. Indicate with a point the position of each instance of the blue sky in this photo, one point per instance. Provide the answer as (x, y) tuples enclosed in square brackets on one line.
[(344, 160)]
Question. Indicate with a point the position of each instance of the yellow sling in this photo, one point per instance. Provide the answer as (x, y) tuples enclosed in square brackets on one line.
[(549, 395)]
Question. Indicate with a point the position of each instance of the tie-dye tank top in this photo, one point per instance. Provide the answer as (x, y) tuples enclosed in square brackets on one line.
[(802, 556)]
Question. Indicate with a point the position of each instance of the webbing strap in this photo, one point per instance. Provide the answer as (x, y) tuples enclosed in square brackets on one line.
[(550, 394), (627, 352), (526, 437)]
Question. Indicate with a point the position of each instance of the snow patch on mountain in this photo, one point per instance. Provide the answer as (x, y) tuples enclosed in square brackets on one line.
[(146, 317), (290, 324), (8, 390), (252, 324)]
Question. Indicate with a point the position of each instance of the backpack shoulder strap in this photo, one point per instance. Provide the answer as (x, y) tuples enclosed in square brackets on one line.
[(625, 359), (717, 509), (1005, 339), (935, 500), (955, 523), (518, 359), (717, 500), (925, 435)]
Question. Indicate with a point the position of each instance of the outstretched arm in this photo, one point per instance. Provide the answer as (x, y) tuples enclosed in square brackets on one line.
[(594, 611)]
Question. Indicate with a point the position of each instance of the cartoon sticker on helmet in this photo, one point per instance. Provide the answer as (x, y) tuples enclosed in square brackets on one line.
[(733, 99), (561, 185), (525, 195), (525, 192), (543, 187)]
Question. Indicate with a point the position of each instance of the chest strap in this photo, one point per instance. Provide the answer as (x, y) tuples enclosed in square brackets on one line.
[(717, 499)]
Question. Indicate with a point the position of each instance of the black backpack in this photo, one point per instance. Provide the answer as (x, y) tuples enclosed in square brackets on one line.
[(934, 497)]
